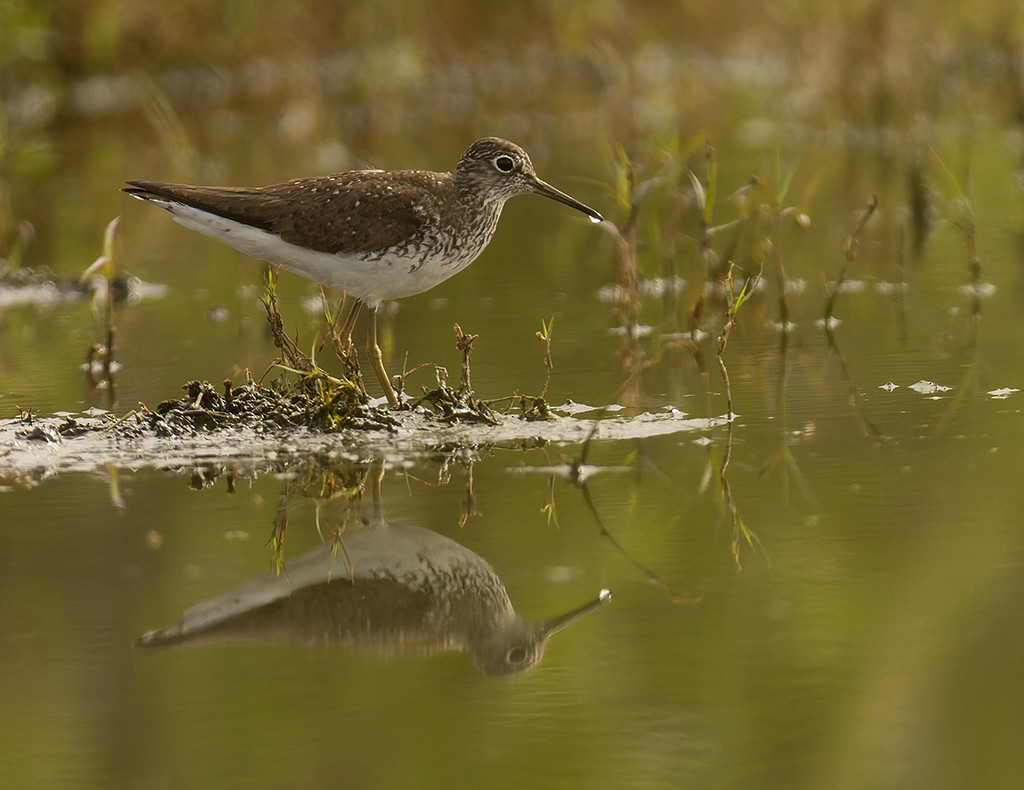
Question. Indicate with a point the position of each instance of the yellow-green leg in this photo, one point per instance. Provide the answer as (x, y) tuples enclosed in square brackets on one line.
[(377, 360)]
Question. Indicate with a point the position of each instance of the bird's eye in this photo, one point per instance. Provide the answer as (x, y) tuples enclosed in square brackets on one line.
[(518, 654), (506, 164)]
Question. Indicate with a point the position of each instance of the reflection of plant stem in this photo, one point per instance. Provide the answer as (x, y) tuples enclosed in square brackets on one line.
[(850, 247), (114, 483), (340, 544), (648, 574), (780, 397), (958, 399), (321, 481), (974, 281), (576, 477), (739, 528), (277, 534), (967, 225), (783, 378), (783, 455), (900, 294), (549, 509), (468, 497)]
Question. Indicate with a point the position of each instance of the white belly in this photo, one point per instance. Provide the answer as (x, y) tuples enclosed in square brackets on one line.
[(371, 279)]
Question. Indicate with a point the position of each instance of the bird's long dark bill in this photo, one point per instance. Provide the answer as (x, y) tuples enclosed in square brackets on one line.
[(558, 623), (545, 189)]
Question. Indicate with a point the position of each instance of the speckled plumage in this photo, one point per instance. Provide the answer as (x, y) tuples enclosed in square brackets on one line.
[(375, 234), (369, 232)]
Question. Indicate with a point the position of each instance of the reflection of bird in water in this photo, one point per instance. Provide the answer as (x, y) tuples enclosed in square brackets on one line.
[(411, 591)]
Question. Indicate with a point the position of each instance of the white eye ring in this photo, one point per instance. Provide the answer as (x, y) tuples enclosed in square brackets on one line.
[(505, 163)]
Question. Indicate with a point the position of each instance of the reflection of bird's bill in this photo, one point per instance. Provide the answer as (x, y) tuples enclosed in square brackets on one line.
[(558, 623), (545, 189)]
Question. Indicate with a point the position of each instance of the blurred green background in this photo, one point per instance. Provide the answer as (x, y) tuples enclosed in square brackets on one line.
[(865, 634)]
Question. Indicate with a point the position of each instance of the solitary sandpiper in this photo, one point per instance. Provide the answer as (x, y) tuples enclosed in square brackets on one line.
[(375, 234)]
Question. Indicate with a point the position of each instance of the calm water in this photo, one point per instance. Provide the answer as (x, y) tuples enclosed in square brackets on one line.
[(849, 615)]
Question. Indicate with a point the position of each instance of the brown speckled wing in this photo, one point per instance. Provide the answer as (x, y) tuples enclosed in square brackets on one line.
[(353, 212)]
